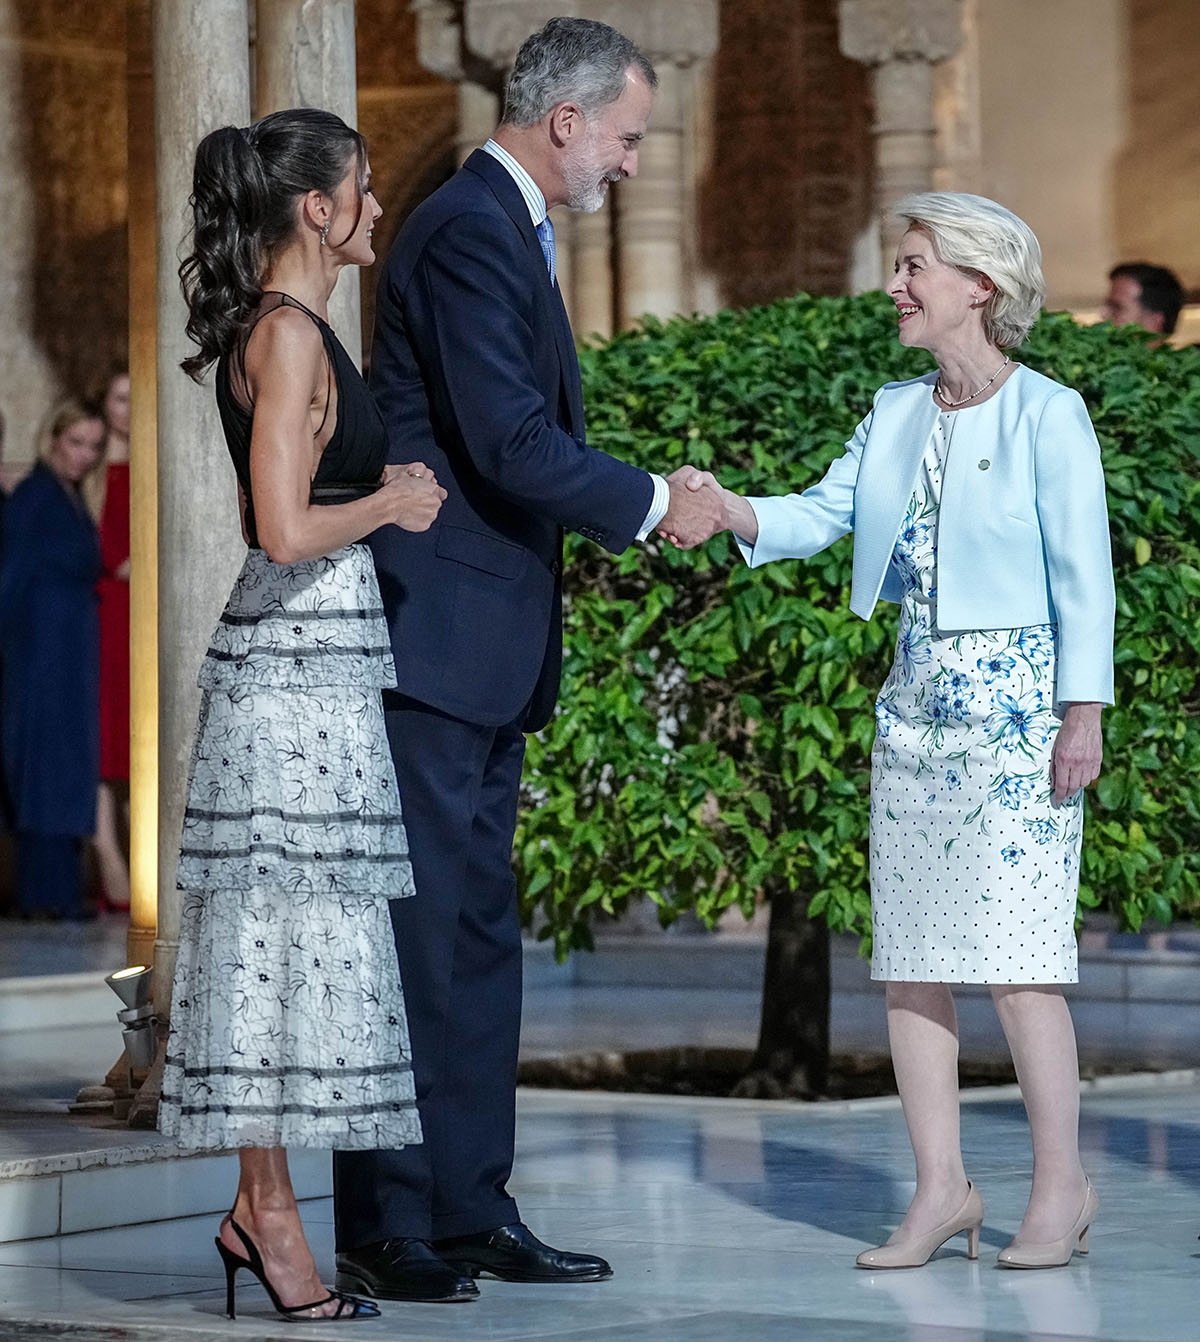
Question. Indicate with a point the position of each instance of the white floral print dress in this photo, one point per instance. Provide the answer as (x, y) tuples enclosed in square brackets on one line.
[(974, 870)]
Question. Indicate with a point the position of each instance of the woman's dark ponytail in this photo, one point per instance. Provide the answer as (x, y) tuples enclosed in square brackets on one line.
[(244, 191), (221, 277)]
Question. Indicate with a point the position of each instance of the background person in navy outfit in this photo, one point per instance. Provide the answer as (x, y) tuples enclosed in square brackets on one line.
[(49, 638), (474, 368)]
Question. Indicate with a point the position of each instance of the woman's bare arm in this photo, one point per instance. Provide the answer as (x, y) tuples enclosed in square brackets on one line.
[(285, 373)]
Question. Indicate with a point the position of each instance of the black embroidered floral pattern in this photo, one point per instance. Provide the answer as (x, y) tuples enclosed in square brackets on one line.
[(292, 845)]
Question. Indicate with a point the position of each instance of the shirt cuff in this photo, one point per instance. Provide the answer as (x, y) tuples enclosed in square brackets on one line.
[(746, 547), (658, 507)]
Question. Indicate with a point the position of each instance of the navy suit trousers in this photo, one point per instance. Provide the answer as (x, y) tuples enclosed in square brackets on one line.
[(459, 943)]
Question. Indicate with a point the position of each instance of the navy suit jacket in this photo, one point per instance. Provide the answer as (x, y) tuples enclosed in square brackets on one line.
[(474, 369)]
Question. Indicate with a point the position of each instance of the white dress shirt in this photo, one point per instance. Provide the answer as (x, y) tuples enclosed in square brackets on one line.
[(535, 202)]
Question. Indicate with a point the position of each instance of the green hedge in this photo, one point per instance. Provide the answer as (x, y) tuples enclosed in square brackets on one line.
[(714, 735)]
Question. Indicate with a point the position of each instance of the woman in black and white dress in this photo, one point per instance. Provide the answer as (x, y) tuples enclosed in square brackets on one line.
[(287, 1016)]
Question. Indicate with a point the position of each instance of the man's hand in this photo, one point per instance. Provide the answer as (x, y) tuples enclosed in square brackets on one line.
[(695, 512)]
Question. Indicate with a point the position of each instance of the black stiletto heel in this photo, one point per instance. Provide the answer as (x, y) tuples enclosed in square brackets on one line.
[(348, 1306)]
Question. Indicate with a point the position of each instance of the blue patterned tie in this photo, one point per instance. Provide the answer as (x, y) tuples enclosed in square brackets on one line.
[(545, 232)]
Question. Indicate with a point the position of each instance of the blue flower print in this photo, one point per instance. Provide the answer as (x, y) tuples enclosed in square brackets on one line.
[(1012, 854), (998, 666), (1043, 831), (1011, 790), (953, 780), (886, 716), (1036, 642), (913, 536), (1018, 722), (938, 711), (912, 650), (960, 705)]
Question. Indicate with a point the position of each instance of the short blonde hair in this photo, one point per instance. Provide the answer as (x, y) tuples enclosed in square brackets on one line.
[(66, 413), (978, 235)]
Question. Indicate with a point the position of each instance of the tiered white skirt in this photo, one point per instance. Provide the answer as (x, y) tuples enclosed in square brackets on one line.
[(287, 1018)]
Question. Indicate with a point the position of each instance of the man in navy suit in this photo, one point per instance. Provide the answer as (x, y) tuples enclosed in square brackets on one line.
[(474, 368)]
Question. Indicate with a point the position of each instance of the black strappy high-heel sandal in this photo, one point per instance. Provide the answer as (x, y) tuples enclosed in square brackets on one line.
[(348, 1306)]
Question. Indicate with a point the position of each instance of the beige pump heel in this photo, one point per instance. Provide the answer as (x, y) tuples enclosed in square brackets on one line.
[(1058, 1252), (918, 1251)]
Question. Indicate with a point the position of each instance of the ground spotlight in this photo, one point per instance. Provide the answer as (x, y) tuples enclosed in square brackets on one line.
[(138, 1020)]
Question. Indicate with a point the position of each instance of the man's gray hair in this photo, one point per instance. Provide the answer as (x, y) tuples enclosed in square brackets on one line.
[(571, 60), (976, 234)]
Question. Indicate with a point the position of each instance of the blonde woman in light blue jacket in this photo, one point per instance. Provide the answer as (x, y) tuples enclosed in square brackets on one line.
[(977, 502)]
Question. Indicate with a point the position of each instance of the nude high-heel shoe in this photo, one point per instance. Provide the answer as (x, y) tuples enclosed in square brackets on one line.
[(1058, 1252), (918, 1251)]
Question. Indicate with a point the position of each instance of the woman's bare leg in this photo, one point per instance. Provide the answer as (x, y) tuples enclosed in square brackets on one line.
[(923, 1029), (1037, 1025), (114, 870), (266, 1210)]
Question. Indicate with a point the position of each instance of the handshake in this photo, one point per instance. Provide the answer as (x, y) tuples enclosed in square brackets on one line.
[(698, 508)]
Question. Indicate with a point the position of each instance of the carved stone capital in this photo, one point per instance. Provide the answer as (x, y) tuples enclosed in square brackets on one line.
[(680, 31), (439, 37), (878, 31)]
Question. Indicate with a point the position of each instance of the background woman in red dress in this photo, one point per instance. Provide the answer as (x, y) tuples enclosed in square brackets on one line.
[(110, 505)]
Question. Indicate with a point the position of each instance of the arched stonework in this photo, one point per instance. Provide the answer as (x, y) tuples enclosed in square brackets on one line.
[(63, 272), (788, 189), (409, 117)]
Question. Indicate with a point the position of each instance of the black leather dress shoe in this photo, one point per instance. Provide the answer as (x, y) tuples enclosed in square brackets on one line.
[(403, 1269), (513, 1253)]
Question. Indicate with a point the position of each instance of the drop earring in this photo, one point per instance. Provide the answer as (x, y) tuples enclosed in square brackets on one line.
[(324, 232)]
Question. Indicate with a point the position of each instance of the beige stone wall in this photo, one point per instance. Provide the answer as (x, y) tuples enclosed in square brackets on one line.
[(63, 265), (1157, 178), (1052, 81)]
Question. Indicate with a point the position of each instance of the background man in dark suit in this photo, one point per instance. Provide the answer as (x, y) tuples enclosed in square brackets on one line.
[(474, 367), (1145, 295)]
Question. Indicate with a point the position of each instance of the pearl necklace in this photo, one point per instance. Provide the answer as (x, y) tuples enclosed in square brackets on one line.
[(953, 405)]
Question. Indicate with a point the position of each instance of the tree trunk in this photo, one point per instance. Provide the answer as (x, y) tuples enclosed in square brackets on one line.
[(792, 1057)]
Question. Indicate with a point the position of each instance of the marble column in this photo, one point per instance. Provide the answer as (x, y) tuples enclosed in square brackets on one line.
[(304, 57), (143, 492), (478, 113), (650, 211), (201, 81), (590, 294), (958, 110), (902, 41)]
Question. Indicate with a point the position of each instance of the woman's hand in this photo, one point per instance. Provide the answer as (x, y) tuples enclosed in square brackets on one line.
[(1078, 750), (413, 493)]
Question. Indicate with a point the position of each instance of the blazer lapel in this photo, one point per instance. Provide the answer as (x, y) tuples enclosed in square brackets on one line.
[(568, 363), (508, 194), (896, 443)]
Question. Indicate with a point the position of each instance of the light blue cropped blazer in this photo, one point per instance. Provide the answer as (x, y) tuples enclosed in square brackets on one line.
[(1022, 528)]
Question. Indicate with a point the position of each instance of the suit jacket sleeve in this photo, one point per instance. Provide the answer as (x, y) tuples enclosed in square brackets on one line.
[(797, 526), (1069, 483), (470, 312)]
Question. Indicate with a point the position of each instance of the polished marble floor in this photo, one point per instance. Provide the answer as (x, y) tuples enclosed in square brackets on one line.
[(725, 1221)]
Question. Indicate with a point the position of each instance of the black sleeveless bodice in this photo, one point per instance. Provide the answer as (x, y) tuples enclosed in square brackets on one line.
[(352, 462)]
